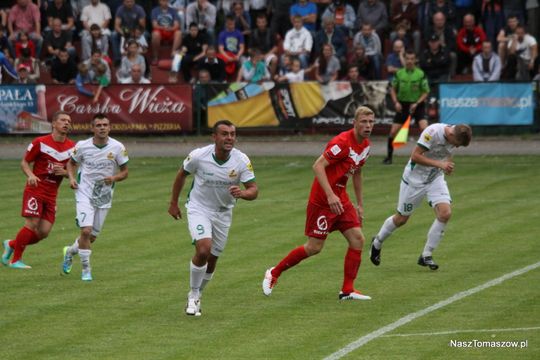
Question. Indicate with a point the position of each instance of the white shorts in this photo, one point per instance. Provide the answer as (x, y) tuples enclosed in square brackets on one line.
[(411, 196), (205, 224), (88, 215)]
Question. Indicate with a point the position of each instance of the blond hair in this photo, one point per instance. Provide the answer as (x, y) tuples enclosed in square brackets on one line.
[(362, 111)]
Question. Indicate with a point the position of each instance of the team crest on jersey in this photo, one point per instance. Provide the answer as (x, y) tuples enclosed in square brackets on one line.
[(233, 174), (110, 156), (335, 150), (427, 137)]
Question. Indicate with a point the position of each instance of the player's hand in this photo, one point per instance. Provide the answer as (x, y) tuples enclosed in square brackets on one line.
[(398, 106), (447, 167), (235, 191), (360, 212), (174, 211), (33, 180), (108, 180), (335, 204), (73, 184), (59, 169)]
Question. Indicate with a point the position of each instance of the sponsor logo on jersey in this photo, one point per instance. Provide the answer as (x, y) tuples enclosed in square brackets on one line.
[(249, 166), (31, 207), (427, 137), (335, 150), (233, 174), (124, 152)]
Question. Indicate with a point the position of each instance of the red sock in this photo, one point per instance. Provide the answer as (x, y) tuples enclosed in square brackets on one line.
[(294, 257), (24, 237), (353, 258)]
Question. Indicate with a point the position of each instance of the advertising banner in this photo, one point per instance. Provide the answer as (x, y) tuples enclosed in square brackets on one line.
[(296, 105), (487, 103), (23, 110)]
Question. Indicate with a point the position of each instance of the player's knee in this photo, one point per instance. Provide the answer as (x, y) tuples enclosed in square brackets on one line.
[(86, 232), (313, 248), (444, 215), (400, 220)]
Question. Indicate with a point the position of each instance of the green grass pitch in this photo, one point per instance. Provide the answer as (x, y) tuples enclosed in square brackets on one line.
[(134, 307)]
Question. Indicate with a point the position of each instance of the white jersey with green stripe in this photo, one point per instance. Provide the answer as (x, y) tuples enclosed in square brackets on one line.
[(213, 178), (438, 148), (97, 162)]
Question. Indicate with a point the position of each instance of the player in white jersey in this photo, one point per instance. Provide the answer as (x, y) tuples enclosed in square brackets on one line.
[(95, 166), (423, 177), (218, 171)]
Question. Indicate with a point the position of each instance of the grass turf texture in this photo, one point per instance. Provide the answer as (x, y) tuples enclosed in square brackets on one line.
[(134, 307)]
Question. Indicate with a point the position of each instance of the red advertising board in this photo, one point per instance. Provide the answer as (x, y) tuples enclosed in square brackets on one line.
[(131, 108)]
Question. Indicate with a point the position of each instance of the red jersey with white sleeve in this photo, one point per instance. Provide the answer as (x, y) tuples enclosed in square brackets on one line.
[(345, 155), (44, 152)]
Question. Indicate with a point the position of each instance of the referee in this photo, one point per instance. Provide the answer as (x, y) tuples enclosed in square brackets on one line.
[(409, 90)]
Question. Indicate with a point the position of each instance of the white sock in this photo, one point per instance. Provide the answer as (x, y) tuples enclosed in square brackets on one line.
[(74, 249), (85, 258), (206, 278), (386, 230), (196, 275), (434, 236)]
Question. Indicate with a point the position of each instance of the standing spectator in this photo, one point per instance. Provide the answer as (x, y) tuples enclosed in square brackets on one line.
[(435, 61), (24, 42), (371, 42), (31, 63), (242, 19), (166, 27), (131, 58), (343, 15), (194, 45), (409, 90), (57, 39), (396, 59), (298, 42), (135, 76), (24, 16), (281, 20), (128, 17), (327, 66), (469, 43), (330, 34), (257, 8), (359, 59), (373, 12), (96, 40), (263, 38), (505, 35), (253, 69), (231, 46), (61, 9), (447, 38), (214, 65), (404, 11), (522, 53), (307, 11), (203, 13), (486, 65), (63, 68), (492, 18)]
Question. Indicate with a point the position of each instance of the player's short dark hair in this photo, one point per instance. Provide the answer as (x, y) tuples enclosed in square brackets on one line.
[(57, 114), (221, 122), (463, 134), (99, 116)]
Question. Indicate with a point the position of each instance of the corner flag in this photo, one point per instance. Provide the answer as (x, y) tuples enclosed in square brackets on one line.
[(402, 135)]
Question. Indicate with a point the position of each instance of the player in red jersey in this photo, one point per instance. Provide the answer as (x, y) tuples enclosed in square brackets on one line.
[(329, 207), (49, 155)]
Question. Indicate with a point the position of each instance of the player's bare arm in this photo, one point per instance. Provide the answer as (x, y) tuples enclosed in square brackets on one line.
[(418, 157), (357, 185), (178, 185), (121, 175), (319, 168), (71, 171), (250, 193), (32, 180)]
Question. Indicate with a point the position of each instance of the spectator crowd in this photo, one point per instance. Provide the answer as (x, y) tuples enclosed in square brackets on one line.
[(98, 42)]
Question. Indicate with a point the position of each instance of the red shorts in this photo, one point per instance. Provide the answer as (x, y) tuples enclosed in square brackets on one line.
[(321, 221), (39, 208), (165, 35)]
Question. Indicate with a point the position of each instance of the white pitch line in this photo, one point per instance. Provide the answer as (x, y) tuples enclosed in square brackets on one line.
[(450, 332), (415, 315)]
